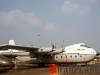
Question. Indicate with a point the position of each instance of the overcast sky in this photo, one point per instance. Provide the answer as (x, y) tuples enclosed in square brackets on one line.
[(40, 22)]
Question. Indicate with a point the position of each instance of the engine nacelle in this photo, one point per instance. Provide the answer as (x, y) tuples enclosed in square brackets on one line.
[(26, 59)]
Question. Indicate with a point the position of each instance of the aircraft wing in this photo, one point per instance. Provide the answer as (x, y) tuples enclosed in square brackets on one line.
[(26, 48), (32, 49)]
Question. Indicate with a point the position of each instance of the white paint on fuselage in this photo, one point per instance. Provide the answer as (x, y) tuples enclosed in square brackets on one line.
[(76, 53)]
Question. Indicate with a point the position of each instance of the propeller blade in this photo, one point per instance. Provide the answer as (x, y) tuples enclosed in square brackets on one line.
[(53, 47), (63, 49)]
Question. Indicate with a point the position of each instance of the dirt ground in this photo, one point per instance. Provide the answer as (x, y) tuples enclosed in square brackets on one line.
[(94, 70)]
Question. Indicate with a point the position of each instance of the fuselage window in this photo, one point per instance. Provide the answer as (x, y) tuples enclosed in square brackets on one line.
[(85, 46), (80, 56), (71, 56), (61, 56), (75, 56), (56, 56), (41, 49), (66, 56)]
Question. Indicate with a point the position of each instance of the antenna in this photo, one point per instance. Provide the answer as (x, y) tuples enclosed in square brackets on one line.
[(63, 48)]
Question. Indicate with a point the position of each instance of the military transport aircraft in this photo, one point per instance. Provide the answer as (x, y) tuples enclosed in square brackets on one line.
[(76, 53)]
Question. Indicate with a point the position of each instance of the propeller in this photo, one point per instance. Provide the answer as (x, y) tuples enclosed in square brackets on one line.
[(97, 54), (63, 48), (53, 47)]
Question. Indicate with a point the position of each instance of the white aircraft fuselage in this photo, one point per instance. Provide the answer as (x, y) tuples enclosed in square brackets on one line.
[(76, 53)]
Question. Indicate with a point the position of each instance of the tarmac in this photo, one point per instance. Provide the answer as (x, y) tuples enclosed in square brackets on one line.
[(61, 70)]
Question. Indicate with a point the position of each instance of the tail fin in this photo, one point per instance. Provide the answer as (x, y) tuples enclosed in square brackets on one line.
[(11, 42)]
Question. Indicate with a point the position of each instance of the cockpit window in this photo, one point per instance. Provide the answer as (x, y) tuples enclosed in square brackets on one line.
[(85, 46)]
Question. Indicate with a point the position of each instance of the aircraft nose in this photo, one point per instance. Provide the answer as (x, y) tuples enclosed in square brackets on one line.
[(5, 63)]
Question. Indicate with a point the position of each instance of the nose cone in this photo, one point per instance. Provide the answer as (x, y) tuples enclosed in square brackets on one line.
[(93, 53), (5, 63)]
